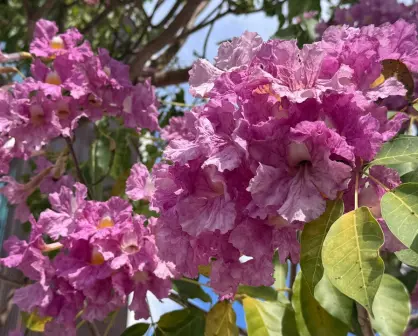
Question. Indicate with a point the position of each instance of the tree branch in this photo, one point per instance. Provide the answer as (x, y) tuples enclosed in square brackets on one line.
[(172, 77), (170, 14), (181, 20)]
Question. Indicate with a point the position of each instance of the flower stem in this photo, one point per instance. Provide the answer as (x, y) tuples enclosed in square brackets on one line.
[(377, 181), (110, 325), (292, 277), (194, 282), (77, 166)]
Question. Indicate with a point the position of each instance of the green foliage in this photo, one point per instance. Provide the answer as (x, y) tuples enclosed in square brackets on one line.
[(138, 329), (266, 318), (35, 322), (261, 292), (350, 256), (402, 149), (185, 322), (312, 239), (333, 301), (408, 257), (311, 318), (189, 290), (411, 176), (221, 320), (391, 307), (400, 211)]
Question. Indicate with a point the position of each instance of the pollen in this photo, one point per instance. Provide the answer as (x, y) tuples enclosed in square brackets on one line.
[(105, 222), (379, 80), (57, 43)]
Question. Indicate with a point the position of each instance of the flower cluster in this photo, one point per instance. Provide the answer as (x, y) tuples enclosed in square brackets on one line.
[(283, 131), (68, 82), (96, 254)]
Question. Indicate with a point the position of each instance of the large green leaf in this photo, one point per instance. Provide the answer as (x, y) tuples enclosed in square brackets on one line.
[(400, 211), (333, 301), (261, 292), (313, 236), (266, 318), (391, 307), (221, 320), (400, 150), (311, 318), (408, 257), (191, 291), (411, 176), (350, 256), (122, 160), (138, 329), (185, 322)]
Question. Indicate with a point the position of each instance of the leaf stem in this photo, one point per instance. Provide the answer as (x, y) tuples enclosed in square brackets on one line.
[(377, 181), (110, 325), (77, 166), (93, 329), (194, 282), (292, 277), (175, 103), (356, 192)]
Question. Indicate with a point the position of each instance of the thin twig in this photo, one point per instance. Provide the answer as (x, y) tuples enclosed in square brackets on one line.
[(377, 181), (77, 166), (93, 329), (364, 321), (205, 44), (175, 103), (292, 277), (110, 325)]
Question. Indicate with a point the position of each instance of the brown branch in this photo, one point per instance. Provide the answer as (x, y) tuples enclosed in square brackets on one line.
[(364, 321), (180, 21), (172, 77), (170, 14)]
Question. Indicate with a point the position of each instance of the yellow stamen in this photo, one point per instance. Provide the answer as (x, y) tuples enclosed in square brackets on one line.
[(105, 222)]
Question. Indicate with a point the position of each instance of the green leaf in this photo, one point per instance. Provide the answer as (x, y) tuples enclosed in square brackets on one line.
[(400, 211), (400, 150), (391, 307), (411, 176), (35, 322), (266, 318), (122, 160), (191, 291), (185, 322), (312, 239), (404, 168), (350, 256), (333, 301), (297, 7), (138, 329), (221, 320), (261, 292), (311, 318), (408, 257)]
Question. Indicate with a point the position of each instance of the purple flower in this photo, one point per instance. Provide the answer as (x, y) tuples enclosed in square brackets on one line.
[(139, 184)]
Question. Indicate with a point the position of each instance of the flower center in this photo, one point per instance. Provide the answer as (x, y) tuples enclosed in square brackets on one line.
[(37, 115), (105, 222), (107, 71), (57, 43), (53, 78), (63, 111), (129, 243), (96, 257), (93, 101), (298, 155), (141, 277), (277, 221)]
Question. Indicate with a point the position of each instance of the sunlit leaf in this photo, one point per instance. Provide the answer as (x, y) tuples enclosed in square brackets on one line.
[(400, 150), (311, 318), (185, 322), (333, 301), (400, 211), (391, 307), (35, 322), (266, 318), (312, 239), (221, 320), (350, 256)]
